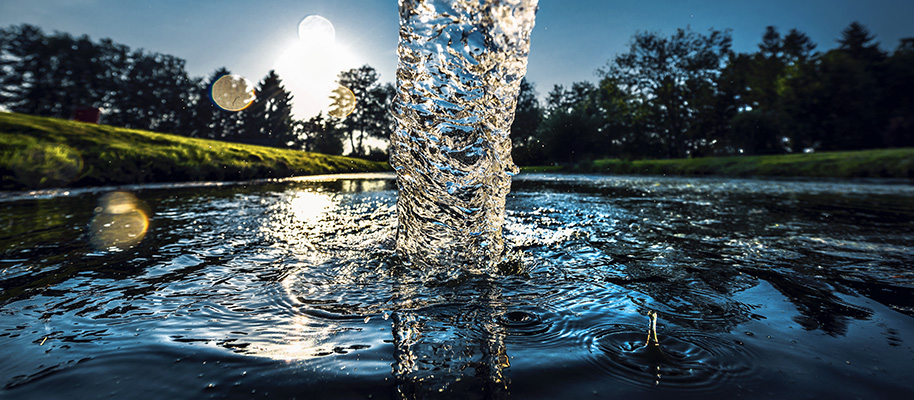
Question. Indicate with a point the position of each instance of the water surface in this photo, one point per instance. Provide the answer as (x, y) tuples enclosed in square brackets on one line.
[(282, 289)]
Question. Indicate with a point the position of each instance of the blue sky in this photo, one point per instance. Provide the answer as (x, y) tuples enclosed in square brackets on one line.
[(572, 38)]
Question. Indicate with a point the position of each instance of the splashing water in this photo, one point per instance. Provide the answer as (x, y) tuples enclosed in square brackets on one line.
[(460, 67)]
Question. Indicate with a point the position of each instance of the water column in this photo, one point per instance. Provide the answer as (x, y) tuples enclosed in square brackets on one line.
[(459, 73)]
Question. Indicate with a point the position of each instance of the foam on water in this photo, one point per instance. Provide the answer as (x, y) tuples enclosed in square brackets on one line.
[(459, 72)]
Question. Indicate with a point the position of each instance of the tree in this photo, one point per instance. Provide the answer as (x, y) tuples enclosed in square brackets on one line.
[(156, 96), (664, 73), (210, 121), (619, 110), (858, 44), (319, 134), (379, 121), (758, 84), (360, 81), (756, 132), (899, 95), (528, 115), (572, 129), (852, 88), (48, 75), (268, 120)]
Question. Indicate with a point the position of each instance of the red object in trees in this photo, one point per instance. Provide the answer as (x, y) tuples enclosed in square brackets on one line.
[(87, 114)]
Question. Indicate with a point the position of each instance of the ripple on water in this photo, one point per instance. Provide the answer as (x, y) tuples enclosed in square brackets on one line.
[(684, 360)]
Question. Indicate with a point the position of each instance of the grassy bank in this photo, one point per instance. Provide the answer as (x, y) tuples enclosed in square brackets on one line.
[(37, 152), (882, 163)]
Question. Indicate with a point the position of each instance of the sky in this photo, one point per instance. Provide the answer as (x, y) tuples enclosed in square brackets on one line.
[(571, 39)]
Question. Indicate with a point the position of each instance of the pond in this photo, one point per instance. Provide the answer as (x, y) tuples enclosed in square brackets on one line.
[(292, 289)]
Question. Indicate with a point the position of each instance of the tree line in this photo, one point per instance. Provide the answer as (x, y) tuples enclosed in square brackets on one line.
[(684, 95), (690, 95), (52, 74)]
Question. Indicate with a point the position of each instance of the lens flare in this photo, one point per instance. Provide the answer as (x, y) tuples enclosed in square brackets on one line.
[(343, 102), (233, 92), (119, 222), (317, 29)]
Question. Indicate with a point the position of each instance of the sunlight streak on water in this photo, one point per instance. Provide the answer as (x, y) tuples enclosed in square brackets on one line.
[(307, 206)]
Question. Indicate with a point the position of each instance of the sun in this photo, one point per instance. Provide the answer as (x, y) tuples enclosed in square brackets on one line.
[(309, 66)]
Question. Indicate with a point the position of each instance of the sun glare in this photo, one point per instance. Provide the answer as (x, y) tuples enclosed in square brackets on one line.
[(309, 66), (315, 28), (307, 206)]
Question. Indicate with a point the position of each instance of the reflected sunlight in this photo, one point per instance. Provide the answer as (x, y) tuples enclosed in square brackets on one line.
[(309, 66), (119, 222), (306, 206), (295, 216), (306, 338)]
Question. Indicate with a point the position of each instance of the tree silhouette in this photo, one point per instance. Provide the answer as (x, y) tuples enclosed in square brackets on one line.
[(899, 96), (528, 114), (210, 121), (268, 120), (155, 97), (51, 74), (857, 42), (371, 116), (759, 84), (572, 129), (665, 72), (319, 134)]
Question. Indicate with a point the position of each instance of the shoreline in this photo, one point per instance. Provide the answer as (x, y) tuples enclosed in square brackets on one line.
[(894, 163), (44, 153)]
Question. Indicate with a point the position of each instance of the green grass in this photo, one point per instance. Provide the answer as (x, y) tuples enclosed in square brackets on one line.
[(37, 152), (543, 168), (881, 163)]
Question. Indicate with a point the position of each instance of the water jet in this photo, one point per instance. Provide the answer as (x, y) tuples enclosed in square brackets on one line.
[(459, 72)]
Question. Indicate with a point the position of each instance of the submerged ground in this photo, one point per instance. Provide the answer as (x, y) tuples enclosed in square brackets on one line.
[(764, 288)]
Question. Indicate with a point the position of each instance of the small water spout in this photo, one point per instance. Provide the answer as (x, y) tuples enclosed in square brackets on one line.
[(652, 330), (459, 73)]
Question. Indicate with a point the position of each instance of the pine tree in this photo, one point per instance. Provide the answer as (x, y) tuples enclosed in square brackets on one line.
[(268, 121), (209, 120)]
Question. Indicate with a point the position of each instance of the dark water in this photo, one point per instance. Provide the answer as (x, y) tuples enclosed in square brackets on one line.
[(764, 289)]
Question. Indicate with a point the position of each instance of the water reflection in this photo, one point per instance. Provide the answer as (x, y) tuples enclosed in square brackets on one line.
[(119, 222), (454, 347), (296, 283), (306, 206)]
